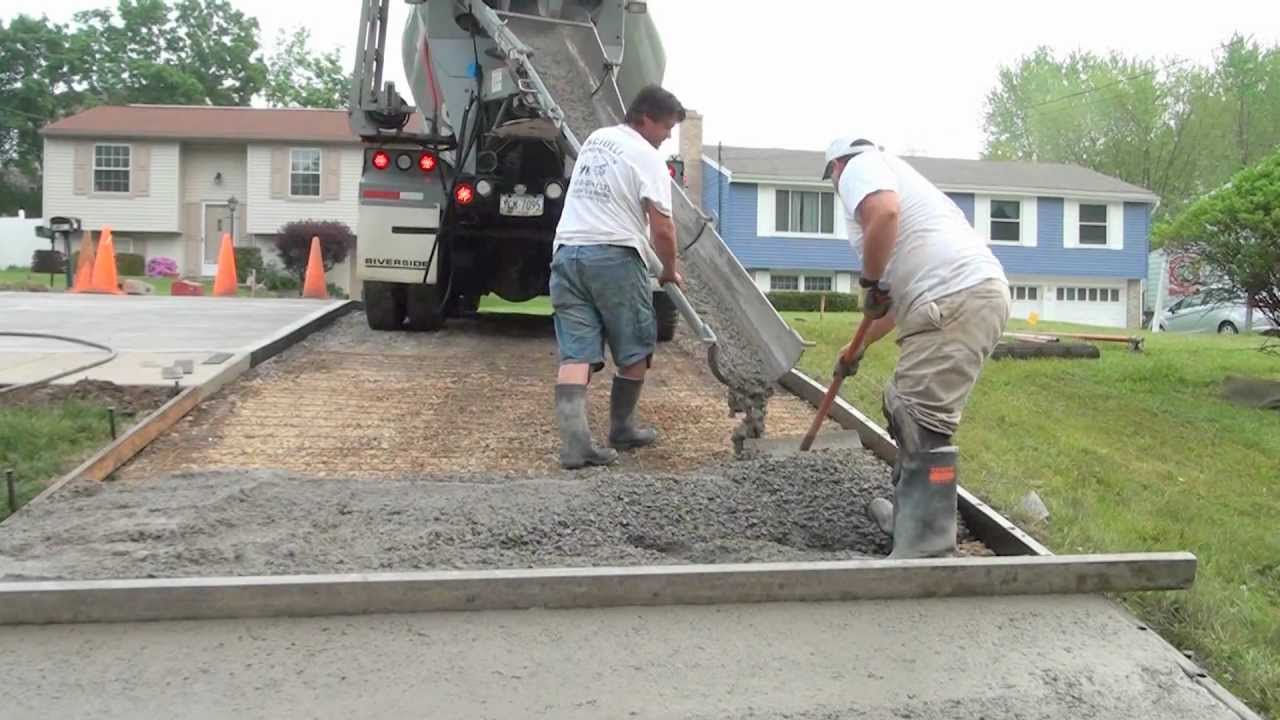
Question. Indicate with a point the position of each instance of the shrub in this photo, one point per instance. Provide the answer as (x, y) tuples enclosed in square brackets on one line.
[(249, 259), (162, 267), (293, 244), (336, 291), (127, 264), (48, 261), (130, 265), (797, 301), (275, 280)]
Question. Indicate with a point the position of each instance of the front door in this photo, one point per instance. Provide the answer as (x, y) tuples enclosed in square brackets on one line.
[(217, 221)]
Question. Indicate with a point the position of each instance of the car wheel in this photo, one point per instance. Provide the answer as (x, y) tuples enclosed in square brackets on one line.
[(1228, 328)]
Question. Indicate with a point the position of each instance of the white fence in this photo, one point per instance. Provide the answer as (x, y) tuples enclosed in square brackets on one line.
[(18, 240)]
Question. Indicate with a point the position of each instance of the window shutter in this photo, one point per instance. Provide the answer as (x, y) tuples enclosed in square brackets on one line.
[(82, 168), (279, 173), (331, 170), (140, 170)]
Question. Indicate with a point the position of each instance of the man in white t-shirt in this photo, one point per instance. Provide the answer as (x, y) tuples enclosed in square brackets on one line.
[(928, 273), (619, 200)]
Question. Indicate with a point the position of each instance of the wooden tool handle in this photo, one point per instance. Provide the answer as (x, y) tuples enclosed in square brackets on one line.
[(834, 388)]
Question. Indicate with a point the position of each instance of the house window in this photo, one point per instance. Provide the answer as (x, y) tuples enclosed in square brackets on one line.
[(784, 282), (1006, 221), (1093, 224), (1024, 292), (817, 283), (304, 172), (801, 211), (1094, 294), (111, 168)]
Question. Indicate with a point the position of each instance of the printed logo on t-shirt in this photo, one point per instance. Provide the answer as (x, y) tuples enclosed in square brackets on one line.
[(591, 175)]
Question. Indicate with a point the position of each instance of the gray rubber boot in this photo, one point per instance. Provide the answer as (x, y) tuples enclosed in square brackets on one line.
[(576, 449), (924, 508), (623, 433)]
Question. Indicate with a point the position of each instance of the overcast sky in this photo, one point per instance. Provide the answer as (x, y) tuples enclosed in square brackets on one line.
[(913, 75)]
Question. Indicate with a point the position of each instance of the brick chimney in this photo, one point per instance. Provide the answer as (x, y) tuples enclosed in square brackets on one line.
[(691, 154)]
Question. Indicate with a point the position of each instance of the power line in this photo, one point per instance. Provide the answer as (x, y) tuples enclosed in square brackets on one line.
[(24, 113), (1104, 86)]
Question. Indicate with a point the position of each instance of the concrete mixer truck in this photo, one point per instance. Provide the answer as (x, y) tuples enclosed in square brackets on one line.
[(460, 192)]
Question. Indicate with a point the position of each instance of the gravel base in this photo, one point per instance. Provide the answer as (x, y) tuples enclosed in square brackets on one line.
[(806, 507)]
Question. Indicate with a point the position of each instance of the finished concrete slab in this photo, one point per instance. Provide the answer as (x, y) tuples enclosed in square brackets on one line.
[(1055, 658), (149, 333)]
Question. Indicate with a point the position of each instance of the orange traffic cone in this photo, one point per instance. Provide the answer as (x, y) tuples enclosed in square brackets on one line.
[(104, 266), (224, 285), (84, 265), (314, 285)]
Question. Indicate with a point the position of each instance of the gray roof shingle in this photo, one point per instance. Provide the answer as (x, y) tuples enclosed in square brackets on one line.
[(944, 172)]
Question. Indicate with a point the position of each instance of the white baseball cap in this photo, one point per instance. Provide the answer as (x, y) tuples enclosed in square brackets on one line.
[(845, 146)]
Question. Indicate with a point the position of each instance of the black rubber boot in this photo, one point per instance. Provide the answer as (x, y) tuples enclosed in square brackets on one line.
[(576, 449), (924, 507), (623, 433)]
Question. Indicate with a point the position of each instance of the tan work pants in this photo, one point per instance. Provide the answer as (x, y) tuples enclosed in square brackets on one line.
[(944, 344)]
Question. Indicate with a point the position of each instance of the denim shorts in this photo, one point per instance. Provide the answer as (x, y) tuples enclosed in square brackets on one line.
[(601, 294)]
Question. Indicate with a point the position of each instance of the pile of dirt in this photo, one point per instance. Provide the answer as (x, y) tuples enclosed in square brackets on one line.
[(807, 507), (128, 400)]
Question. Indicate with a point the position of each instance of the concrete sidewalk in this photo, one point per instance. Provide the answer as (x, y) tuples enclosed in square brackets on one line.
[(148, 333)]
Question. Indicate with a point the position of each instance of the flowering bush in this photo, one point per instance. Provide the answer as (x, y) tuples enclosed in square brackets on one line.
[(162, 267)]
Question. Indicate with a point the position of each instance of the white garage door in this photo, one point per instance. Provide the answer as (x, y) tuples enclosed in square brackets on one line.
[(1089, 305), (1026, 299)]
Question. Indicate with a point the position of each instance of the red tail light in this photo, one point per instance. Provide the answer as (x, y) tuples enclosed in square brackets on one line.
[(427, 162), (381, 160), (465, 194)]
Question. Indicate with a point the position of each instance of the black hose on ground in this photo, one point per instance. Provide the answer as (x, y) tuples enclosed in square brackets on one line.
[(111, 355)]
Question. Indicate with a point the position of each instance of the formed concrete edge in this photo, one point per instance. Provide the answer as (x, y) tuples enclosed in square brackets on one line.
[(995, 531), (296, 332), (202, 598), (125, 447)]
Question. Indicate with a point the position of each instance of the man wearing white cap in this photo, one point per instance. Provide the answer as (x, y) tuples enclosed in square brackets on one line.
[(950, 301)]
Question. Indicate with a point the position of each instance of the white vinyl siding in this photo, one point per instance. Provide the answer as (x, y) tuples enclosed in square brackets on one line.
[(111, 168), (214, 173), (304, 172), (157, 211), (266, 214)]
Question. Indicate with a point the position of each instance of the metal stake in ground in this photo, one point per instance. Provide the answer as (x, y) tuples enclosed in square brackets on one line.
[(111, 421), (13, 490)]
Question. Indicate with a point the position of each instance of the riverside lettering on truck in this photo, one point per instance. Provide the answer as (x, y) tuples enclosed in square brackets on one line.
[(396, 263)]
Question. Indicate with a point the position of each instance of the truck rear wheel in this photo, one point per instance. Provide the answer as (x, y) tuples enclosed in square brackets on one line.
[(424, 307), (667, 315), (384, 304)]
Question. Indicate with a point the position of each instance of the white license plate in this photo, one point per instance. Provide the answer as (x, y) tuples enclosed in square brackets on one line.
[(520, 205)]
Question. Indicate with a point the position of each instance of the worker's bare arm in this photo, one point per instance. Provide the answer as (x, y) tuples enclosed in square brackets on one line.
[(878, 214), (662, 232)]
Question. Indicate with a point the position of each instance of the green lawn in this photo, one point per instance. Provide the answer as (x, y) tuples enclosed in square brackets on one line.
[(538, 306), (42, 442), (16, 279), (1132, 452)]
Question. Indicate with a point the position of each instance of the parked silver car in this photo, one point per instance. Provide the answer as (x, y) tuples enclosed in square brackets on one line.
[(1205, 313)]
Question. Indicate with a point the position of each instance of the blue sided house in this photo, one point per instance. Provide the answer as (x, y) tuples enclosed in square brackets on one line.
[(1073, 242)]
